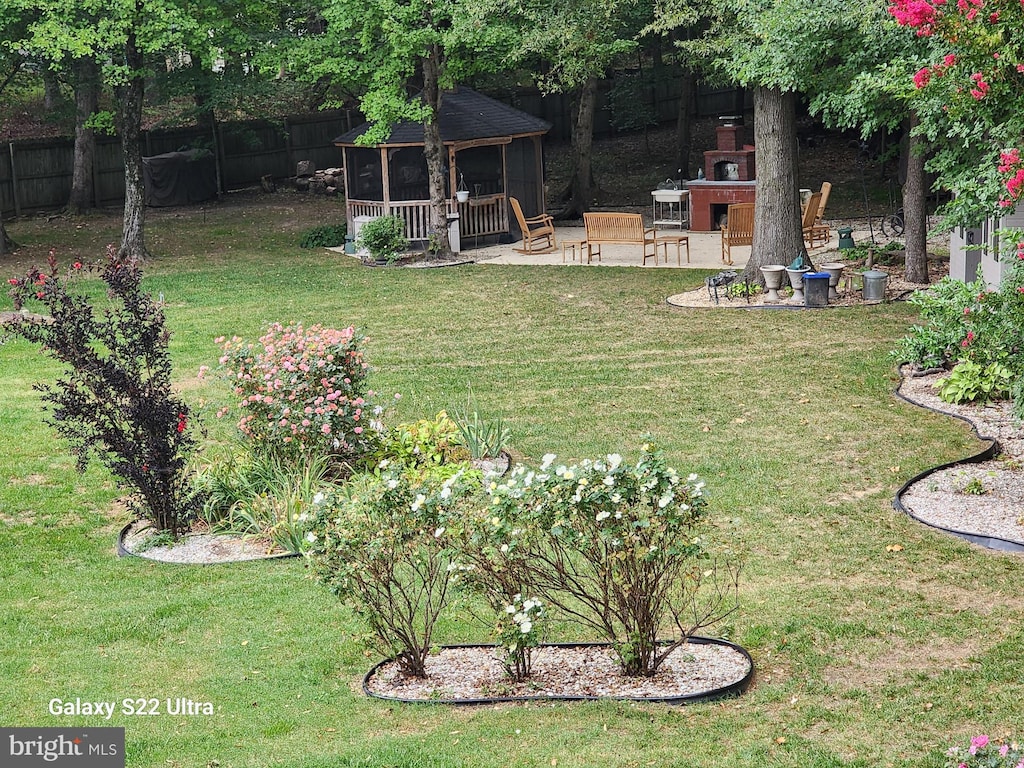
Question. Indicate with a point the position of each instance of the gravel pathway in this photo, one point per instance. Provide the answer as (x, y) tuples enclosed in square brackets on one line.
[(980, 499)]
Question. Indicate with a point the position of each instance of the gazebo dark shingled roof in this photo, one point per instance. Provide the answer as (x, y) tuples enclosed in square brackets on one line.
[(465, 115)]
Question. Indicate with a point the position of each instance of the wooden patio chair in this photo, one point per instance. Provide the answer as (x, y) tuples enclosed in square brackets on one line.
[(536, 228), (815, 235), (826, 189), (738, 229)]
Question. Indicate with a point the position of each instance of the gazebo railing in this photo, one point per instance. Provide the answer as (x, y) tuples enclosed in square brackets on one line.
[(479, 216)]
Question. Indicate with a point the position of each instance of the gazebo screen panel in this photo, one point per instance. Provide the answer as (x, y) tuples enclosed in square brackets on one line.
[(407, 174), (365, 177), (481, 169)]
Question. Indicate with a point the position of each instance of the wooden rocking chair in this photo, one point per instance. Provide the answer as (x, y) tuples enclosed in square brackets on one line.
[(535, 228), (815, 235)]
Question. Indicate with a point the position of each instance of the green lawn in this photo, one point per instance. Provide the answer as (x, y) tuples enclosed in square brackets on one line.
[(877, 642)]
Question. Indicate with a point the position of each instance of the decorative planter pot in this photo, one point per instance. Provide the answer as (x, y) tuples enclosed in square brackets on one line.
[(796, 279), (772, 281), (835, 274), (462, 195)]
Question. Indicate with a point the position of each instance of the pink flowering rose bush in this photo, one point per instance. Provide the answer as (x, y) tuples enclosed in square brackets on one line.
[(984, 752), (302, 391)]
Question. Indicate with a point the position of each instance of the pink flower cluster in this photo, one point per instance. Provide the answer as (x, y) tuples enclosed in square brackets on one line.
[(919, 14), (1012, 169), (981, 88), (301, 388)]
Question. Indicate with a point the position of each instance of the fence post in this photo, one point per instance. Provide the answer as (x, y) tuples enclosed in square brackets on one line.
[(14, 183)]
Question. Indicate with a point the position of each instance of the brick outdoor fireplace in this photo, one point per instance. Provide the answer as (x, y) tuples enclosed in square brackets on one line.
[(730, 174)]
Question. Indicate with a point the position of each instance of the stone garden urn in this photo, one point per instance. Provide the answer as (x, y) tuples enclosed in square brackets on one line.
[(772, 281), (796, 279), (835, 274)]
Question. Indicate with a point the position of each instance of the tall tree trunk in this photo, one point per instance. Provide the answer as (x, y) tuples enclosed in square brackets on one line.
[(684, 123), (581, 190), (87, 86), (6, 244), (778, 237), (436, 154), (915, 214), (51, 89), (129, 114)]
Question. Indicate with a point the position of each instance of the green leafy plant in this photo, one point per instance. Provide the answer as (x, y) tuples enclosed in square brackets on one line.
[(970, 382), (114, 401), (384, 237), (616, 546), (740, 290), (984, 752), (324, 236), (974, 487), (381, 544), (427, 442)]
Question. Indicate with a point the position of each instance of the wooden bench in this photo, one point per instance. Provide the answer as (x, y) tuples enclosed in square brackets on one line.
[(618, 229)]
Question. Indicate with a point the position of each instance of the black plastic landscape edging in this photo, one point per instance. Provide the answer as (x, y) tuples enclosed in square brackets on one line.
[(733, 689), (123, 551), (987, 453)]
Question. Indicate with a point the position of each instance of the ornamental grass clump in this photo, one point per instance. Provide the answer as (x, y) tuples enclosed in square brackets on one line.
[(114, 401), (302, 392), (381, 543), (615, 546)]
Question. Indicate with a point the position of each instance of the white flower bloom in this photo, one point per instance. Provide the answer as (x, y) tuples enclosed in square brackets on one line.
[(604, 514), (692, 478), (319, 498), (504, 548), (665, 500), (525, 627), (614, 460), (303, 517), (438, 532), (420, 499), (392, 484), (548, 458), (616, 498), (311, 537), (608, 480), (446, 492), (519, 618), (510, 609)]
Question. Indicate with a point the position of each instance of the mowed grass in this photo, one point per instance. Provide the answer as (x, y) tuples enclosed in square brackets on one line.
[(877, 642)]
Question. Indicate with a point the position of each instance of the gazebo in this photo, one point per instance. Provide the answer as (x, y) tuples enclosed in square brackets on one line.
[(494, 152)]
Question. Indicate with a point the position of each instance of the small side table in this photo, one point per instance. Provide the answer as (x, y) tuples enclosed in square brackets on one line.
[(572, 246), (679, 240)]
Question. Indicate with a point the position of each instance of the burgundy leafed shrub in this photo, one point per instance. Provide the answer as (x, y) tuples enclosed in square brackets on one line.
[(114, 400)]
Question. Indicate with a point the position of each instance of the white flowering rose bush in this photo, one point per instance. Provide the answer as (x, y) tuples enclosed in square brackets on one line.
[(616, 546), (518, 633), (382, 544)]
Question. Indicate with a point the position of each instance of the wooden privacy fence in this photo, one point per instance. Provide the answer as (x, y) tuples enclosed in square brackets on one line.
[(36, 175)]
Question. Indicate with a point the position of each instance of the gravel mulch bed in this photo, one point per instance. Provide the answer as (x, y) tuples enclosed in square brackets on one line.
[(584, 671), (200, 547), (984, 498)]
